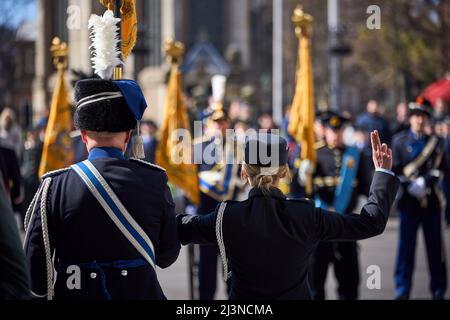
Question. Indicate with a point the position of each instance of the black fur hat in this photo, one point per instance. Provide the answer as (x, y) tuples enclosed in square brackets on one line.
[(106, 114)]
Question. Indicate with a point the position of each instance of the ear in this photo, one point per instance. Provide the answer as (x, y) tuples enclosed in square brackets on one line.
[(83, 136), (128, 136)]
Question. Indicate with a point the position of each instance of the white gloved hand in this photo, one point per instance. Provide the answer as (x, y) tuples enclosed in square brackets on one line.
[(306, 169), (418, 188), (191, 209)]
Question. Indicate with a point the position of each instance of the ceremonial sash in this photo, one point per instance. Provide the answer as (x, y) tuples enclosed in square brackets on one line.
[(115, 210), (224, 190), (412, 167), (221, 191), (349, 170), (344, 189)]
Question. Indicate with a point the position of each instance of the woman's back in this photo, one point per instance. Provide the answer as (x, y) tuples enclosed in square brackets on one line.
[(268, 244), (268, 238)]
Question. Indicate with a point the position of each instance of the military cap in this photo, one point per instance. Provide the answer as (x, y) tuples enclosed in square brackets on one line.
[(334, 120), (265, 150), (421, 106)]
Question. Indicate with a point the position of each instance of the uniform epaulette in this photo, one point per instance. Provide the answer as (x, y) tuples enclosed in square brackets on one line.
[(232, 201), (303, 200), (149, 164), (54, 173), (319, 144)]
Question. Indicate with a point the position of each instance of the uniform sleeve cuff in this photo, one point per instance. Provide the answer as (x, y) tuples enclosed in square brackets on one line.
[(385, 171)]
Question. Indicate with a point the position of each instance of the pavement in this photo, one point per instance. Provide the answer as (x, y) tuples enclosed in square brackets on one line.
[(378, 251)]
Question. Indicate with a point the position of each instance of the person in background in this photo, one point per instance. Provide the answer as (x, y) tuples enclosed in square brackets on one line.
[(296, 189), (10, 132), (445, 134), (11, 178), (245, 114), (31, 160), (265, 122), (419, 162), (148, 132), (373, 120), (234, 110), (401, 118), (339, 177), (441, 109), (241, 128), (217, 179)]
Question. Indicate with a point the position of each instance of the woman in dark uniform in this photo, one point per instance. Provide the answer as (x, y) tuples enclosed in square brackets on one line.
[(268, 238)]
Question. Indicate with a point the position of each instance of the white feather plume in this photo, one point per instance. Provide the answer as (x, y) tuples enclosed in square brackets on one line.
[(104, 48)]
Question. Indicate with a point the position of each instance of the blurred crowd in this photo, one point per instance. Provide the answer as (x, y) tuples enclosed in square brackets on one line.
[(20, 150)]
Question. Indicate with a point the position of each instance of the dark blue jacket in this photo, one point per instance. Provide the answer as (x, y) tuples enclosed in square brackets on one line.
[(82, 234), (406, 147)]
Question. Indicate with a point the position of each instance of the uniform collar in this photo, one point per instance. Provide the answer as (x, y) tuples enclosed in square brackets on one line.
[(274, 192), (416, 136), (106, 152)]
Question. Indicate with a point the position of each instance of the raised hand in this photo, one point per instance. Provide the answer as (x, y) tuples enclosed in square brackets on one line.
[(381, 153)]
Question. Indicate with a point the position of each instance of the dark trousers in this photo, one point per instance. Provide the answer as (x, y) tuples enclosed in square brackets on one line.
[(344, 257), (207, 271), (446, 189), (431, 224)]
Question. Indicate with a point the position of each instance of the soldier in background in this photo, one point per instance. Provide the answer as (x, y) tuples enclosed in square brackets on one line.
[(338, 179), (217, 177), (419, 161)]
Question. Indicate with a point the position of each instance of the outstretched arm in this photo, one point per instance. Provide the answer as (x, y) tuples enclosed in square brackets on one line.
[(375, 213), (198, 229)]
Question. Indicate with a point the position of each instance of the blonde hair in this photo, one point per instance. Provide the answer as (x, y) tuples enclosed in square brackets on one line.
[(263, 182)]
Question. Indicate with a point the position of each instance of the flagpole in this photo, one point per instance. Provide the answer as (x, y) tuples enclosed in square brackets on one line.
[(118, 70), (277, 47)]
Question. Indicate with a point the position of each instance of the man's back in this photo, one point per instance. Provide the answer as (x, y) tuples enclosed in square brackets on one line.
[(83, 235)]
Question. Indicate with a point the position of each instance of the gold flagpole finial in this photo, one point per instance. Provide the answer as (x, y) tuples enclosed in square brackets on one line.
[(109, 4), (60, 53), (302, 22), (174, 51)]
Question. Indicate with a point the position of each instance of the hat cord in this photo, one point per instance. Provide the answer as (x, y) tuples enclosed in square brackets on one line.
[(138, 143)]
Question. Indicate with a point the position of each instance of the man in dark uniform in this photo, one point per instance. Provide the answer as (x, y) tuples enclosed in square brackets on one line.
[(217, 178), (296, 188), (339, 178), (419, 161), (268, 238), (108, 221)]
